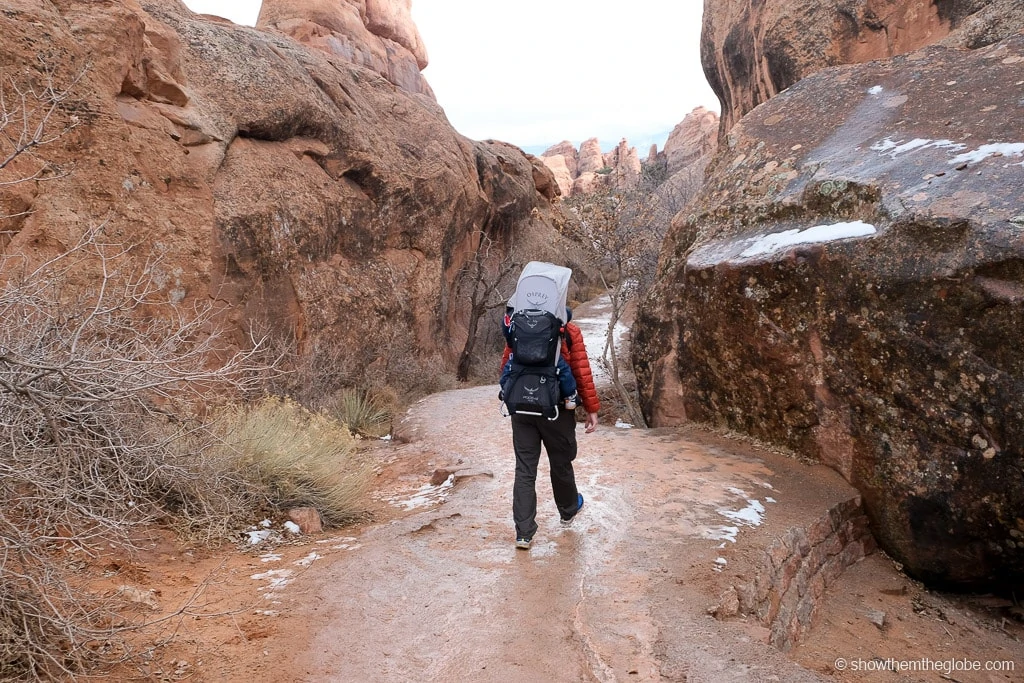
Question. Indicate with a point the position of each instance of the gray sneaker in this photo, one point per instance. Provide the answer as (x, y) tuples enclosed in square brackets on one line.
[(523, 543), (579, 506)]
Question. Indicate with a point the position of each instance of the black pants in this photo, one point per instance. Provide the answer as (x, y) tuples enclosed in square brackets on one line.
[(559, 440)]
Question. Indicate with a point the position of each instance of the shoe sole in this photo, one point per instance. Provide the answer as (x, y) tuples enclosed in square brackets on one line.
[(523, 545), (567, 522)]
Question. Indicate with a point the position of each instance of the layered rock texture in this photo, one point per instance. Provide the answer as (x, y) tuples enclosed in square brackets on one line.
[(752, 51), (377, 34), (579, 172), (305, 190), (849, 283)]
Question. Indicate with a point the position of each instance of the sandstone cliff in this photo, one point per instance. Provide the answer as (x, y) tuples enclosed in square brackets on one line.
[(752, 51), (848, 284), (319, 194)]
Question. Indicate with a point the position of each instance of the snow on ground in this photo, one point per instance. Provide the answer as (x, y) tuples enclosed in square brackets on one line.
[(425, 495), (276, 580), (894, 148), (595, 334), (751, 515)]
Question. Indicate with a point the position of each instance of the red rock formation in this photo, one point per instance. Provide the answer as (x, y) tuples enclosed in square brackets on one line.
[(848, 284), (752, 51), (591, 159), (689, 149), (295, 188), (559, 167), (580, 172), (624, 163), (377, 34), (569, 153), (693, 141)]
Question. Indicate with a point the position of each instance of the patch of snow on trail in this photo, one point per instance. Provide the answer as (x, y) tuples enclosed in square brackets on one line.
[(768, 244), (751, 515), (426, 495), (307, 560), (722, 533), (276, 578)]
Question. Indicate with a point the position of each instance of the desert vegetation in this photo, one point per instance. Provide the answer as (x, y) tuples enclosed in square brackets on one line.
[(124, 406), (621, 225)]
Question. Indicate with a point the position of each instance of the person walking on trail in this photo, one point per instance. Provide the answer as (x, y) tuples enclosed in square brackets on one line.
[(558, 436)]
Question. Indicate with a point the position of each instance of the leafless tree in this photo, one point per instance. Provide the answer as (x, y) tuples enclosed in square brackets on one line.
[(483, 283), (622, 226)]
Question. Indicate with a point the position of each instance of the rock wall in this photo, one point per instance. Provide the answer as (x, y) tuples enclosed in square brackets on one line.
[(849, 284), (788, 585), (753, 51), (377, 34), (296, 189)]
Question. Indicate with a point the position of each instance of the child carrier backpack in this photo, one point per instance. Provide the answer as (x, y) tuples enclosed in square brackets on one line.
[(534, 333)]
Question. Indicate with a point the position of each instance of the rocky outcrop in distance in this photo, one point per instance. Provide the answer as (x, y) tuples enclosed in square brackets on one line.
[(849, 284), (579, 172), (299, 190), (688, 150), (753, 51)]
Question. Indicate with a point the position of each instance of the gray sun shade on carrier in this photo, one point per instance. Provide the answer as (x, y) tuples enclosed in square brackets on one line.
[(542, 286)]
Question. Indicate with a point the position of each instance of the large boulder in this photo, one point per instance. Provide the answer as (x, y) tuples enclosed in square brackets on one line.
[(752, 51), (300, 192), (849, 284)]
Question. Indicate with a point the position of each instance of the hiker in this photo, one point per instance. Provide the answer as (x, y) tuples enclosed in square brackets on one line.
[(556, 433)]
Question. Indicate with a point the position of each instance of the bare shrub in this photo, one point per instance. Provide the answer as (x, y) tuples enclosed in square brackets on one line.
[(99, 373), (292, 457)]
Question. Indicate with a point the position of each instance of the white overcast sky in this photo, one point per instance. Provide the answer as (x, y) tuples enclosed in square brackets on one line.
[(536, 72)]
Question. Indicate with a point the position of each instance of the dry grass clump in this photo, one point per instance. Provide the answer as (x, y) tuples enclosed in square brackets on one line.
[(364, 414), (291, 457)]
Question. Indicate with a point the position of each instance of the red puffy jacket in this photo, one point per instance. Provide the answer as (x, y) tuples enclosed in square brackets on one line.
[(575, 352)]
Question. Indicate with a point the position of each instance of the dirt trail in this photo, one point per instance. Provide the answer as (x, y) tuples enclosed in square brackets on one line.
[(621, 595), (674, 519)]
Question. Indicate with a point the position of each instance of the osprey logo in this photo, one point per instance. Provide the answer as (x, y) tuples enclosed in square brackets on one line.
[(533, 390), (538, 299)]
